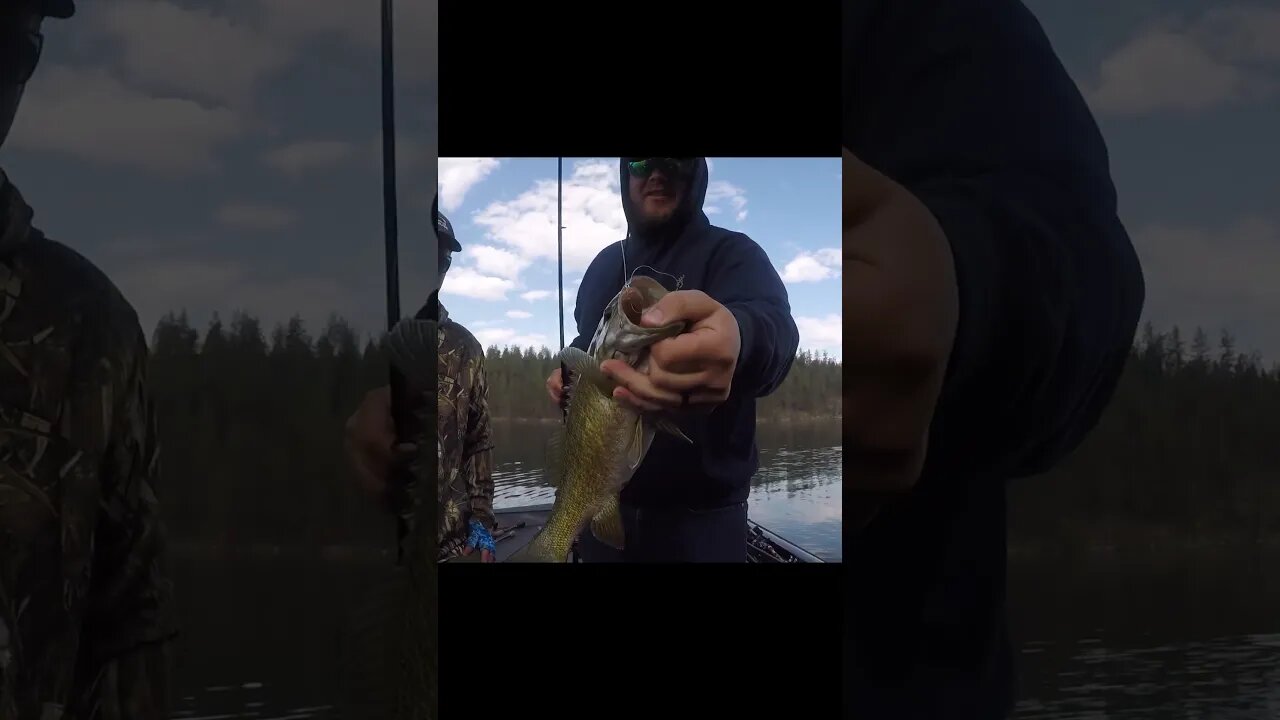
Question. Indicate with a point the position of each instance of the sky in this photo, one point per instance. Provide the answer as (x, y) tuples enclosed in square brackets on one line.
[(1188, 98), (226, 154), (502, 286)]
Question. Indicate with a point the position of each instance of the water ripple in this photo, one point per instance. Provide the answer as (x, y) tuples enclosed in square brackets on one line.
[(1233, 677), (796, 493)]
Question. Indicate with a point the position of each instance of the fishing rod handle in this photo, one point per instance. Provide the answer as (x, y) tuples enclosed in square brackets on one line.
[(564, 389)]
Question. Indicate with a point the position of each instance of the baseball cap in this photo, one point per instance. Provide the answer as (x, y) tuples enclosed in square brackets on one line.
[(444, 229)]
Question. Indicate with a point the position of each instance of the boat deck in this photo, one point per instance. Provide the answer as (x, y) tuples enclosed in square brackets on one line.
[(518, 525)]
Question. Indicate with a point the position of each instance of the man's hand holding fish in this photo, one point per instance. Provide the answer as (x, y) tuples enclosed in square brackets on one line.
[(692, 371)]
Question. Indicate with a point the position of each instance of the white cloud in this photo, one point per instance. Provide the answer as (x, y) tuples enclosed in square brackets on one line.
[(1161, 70), (467, 282), (592, 212), (226, 55), (724, 191), (519, 314), (496, 261), (533, 295), (506, 336), (1215, 277), (456, 176), (179, 81), (813, 266), (821, 333), (89, 114), (295, 22), (1240, 262), (1191, 65), (1243, 32), (175, 49), (255, 216), (157, 286), (307, 156)]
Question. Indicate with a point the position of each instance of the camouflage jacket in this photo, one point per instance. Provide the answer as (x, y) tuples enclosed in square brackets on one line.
[(84, 606), (464, 444)]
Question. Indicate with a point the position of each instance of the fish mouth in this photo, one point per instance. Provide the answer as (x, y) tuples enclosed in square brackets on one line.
[(639, 295)]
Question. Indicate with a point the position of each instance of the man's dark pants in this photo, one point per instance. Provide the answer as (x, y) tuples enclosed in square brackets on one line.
[(675, 535)]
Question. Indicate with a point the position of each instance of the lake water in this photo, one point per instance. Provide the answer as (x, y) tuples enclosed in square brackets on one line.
[(262, 636), (796, 492), (1179, 636), (1187, 637)]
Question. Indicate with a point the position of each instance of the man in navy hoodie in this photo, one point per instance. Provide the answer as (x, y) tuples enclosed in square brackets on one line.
[(991, 298), (688, 502)]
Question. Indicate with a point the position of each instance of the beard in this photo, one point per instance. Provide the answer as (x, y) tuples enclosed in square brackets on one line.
[(658, 224)]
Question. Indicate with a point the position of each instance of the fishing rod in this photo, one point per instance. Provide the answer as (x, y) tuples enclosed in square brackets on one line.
[(564, 370), (399, 479)]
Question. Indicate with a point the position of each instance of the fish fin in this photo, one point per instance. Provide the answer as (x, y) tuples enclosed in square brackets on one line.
[(641, 439), (607, 524), (554, 463), (539, 549), (581, 365), (669, 427)]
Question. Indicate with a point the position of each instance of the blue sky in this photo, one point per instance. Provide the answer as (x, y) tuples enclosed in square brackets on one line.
[(223, 154), (1188, 98), (502, 286)]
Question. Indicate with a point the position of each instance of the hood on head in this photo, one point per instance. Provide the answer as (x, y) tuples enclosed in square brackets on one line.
[(695, 193)]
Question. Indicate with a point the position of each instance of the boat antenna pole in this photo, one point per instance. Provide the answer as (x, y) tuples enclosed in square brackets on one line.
[(564, 370), (397, 381)]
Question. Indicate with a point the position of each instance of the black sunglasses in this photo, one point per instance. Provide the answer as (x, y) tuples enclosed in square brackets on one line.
[(19, 55), (672, 166)]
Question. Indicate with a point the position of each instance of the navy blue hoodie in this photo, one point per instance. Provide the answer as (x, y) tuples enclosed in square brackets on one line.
[(964, 103), (730, 267)]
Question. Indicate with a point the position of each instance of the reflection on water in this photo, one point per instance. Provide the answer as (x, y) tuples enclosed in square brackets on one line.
[(1228, 677), (262, 637), (796, 493), (246, 700), (1155, 637)]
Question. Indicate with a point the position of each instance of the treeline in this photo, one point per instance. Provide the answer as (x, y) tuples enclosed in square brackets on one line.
[(1186, 454), (251, 424), (252, 421), (517, 386), (251, 431)]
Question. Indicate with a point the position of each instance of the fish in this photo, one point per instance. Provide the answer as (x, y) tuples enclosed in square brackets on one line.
[(594, 454)]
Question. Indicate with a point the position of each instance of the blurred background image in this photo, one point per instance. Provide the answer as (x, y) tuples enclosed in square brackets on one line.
[(221, 162), (1145, 570)]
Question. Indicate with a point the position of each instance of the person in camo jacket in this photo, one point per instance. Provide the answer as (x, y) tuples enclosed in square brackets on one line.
[(466, 521), (85, 608)]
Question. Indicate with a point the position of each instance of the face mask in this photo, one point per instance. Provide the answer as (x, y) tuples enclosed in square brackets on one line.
[(443, 264)]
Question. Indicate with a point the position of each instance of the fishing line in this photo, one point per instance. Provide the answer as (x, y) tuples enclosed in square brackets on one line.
[(679, 280), (627, 278)]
